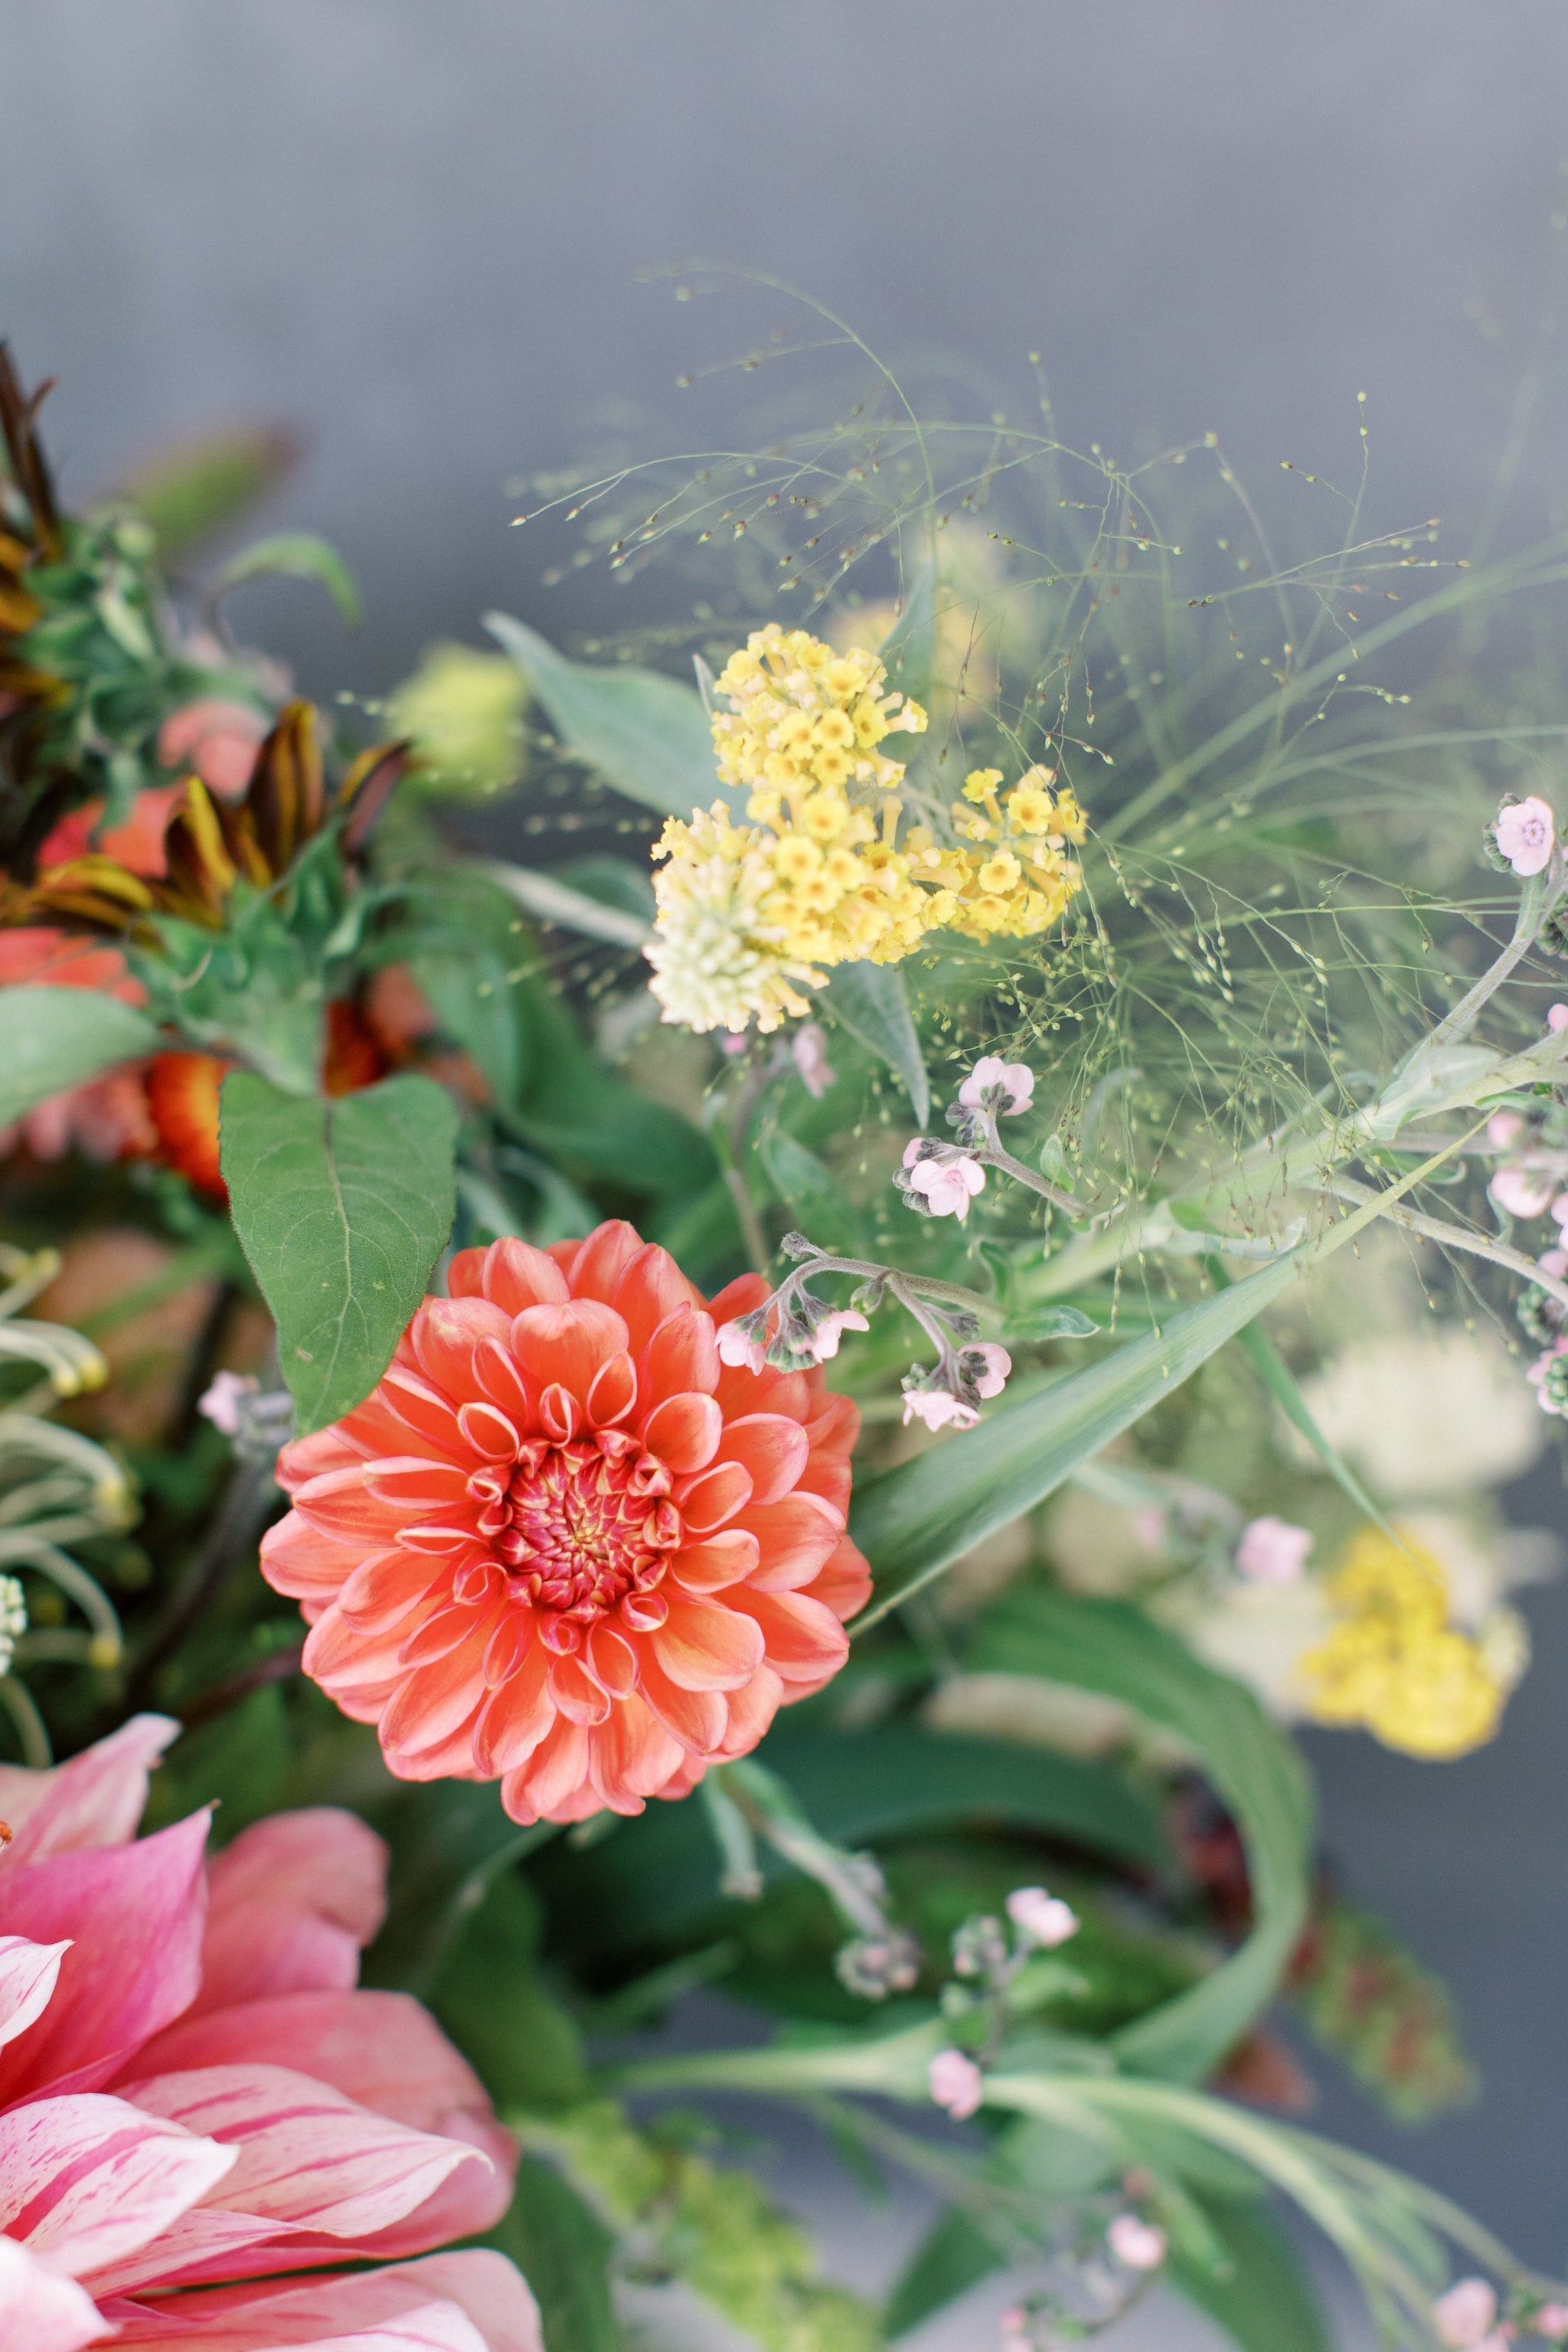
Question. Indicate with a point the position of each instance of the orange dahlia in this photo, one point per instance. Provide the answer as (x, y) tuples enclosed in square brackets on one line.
[(562, 1544)]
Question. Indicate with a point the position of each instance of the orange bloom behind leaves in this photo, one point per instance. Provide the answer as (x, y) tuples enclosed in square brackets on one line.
[(562, 1544)]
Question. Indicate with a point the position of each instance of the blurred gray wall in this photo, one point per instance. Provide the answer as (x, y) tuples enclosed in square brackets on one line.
[(413, 227)]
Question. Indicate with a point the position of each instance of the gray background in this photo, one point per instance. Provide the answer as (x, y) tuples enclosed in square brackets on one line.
[(414, 230)]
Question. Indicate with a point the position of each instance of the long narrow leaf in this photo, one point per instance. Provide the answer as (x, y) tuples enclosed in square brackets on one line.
[(871, 1003), (59, 1037), (1113, 1648), (1277, 1379)]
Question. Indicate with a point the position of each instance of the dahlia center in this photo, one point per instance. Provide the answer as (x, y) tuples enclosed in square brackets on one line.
[(580, 1527)]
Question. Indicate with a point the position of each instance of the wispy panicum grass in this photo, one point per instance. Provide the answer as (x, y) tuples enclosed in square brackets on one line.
[(1287, 730)]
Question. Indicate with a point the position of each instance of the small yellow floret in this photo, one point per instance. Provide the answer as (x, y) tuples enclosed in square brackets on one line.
[(1394, 1663)]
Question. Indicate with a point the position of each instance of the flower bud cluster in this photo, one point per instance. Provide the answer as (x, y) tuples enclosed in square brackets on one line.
[(1009, 875), (1394, 1663)]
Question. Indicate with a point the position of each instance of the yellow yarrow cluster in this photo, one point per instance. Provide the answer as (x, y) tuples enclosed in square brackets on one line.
[(1394, 1663), (749, 914)]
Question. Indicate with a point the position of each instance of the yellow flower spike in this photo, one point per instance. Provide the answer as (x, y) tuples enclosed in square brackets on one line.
[(979, 784)]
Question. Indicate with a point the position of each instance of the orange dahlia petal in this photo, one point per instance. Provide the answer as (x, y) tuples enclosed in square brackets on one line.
[(594, 1268), (704, 1647), (771, 1448), (684, 1431), (182, 1097), (682, 1356)]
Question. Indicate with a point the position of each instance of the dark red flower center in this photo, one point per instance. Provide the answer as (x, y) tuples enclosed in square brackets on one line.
[(582, 1528)]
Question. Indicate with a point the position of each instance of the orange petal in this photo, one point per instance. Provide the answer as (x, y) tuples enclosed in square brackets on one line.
[(490, 1433), (441, 1633), (301, 1561), (500, 1377), (516, 1717), (576, 1695), (682, 1354), (598, 1263), (566, 1345), (772, 1447), (798, 1538), (340, 1504), (741, 1296), (651, 1287), (385, 1587), (844, 1584), (684, 1431), (557, 1771), (805, 1642), (696, 1719), (704, 1647), (722, 1561), (415, 1487), (752, 1711), (433, 1701), (714, 1497), (613, 1392), (515, 1274), (445, 1332), (611, 1661), (631, 1757)]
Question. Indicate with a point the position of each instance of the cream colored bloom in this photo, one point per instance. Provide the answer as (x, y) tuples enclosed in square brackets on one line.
[(1434, 1412)]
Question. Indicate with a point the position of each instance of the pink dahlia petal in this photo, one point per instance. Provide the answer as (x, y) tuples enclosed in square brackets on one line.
[(133, 1915), (290, 1906), (28, 1974), (773, 1448), (705, 1647), (40, 2309), (87, 2183), (96, 1799), (469, 2302)]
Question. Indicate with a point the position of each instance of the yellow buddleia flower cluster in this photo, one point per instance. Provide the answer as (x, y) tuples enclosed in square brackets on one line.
[(1394, 1663), (748, 915), (802, 719)]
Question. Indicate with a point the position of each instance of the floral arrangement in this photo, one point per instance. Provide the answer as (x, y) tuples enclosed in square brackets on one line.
[(466, 1426)]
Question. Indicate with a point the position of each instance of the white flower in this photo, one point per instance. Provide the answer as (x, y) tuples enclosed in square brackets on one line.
[(955, 2083), (1271, 1551), (737, 1347), (1045, 1919), (220, 1404), (1425, 1413), (1137, 2243), (947, 1185), (936, 1408), (1463, 2317), (830, 1331), (1016, 1077), (1526, 834)]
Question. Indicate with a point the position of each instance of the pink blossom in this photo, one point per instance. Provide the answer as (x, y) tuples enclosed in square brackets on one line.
[(137, 845), (1551, 2321), (956, 2083), (1522, 1192), (949, 1184), (1553, 1262), (831, 1329), (809, 1048), (937, 1409), (1463, 2317), (193, 2096), (1272, 1551), (737, 1347), (1504, 1128), (1557, 1018), (1526, 834), (1148, 1528), (220, 1404), (991, 1071), (998, 1364), (1139, 2244), (217, 738), (1044, 1919)]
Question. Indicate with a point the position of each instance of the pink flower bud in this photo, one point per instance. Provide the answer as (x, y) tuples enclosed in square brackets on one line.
[(1526, 834), (1553, 1262), (220, 1404), (1137, 2243), (218, 740), (1522, 1192), (1272, 1551), (1464, 2317), (1044, 1919), (809, 1048), (956, 2083), (1016, 1077), (1557, 1021), (1552, 2321), (1503, 1128)]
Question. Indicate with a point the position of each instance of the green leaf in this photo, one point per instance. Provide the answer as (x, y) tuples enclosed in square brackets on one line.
[(197, 488), (295, 555), (59, 1037), (1263, 2302), (563, 2250), (870, 1001), (491, 1999), (646, 734), (1112, 1648), (1053, 1323), (449, 1839), (343, 1208), (859, 1787), (1276, 1378), (811, 1193), (929, 1511), (954, 2255), (556, 902)]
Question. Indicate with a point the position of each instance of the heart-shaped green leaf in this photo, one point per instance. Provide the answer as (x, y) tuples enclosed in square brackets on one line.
[(343, 1208)]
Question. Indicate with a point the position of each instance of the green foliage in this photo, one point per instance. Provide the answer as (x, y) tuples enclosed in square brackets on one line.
[(1108, 1647), (295, 555), (59, 1037), (645, 734), (563, 2250), (871, 1002), (343, 1208), (1260, 2296)]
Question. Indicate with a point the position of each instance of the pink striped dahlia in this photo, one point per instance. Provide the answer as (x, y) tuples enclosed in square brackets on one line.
[(562, 1544)]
